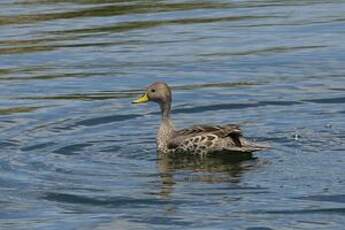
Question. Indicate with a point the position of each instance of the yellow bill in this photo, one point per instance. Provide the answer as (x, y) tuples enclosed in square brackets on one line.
[(142, 99)]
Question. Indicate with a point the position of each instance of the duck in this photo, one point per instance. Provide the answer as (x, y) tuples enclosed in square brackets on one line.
[(201, 139)]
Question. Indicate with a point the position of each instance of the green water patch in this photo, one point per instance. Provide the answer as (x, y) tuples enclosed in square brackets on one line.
[(14, 110), (112, 10)]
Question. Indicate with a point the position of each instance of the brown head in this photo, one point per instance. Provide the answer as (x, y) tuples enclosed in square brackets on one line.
[(158, 92)]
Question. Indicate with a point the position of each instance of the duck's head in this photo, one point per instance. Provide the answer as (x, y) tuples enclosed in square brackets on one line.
[(158, 92)]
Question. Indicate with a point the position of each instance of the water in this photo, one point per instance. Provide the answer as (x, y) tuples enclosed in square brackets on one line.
[(75, 154)]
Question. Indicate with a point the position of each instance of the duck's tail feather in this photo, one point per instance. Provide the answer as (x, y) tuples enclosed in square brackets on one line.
[(248, 147)]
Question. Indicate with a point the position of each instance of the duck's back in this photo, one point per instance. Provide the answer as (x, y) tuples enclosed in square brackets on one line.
[(204, 139)]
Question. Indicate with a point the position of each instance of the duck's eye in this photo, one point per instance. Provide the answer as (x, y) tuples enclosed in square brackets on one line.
[(153, 90)]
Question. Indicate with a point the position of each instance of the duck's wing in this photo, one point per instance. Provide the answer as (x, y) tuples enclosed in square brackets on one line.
[(221, 130), (206, 133)]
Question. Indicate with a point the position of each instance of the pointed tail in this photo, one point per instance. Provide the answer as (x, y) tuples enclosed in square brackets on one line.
[(254, 147)]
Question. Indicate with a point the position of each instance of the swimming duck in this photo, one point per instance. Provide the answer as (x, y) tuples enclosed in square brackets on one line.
[(198, 139)]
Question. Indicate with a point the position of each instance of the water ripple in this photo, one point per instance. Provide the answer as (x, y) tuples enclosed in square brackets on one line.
[(75, 154)]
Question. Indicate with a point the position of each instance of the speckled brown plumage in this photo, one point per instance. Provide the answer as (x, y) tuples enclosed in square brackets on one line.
[(198, 139)]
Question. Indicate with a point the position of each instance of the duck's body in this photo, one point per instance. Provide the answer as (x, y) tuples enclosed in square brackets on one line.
[(205, 139), (198, 139)]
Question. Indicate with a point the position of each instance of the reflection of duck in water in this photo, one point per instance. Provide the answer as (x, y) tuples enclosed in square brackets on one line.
[(225, 168), (200, 139)]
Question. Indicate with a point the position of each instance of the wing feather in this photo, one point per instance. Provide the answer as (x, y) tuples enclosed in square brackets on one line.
[(222, 131)]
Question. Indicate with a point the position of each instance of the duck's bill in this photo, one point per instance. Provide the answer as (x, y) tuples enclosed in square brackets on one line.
[(143, 99)]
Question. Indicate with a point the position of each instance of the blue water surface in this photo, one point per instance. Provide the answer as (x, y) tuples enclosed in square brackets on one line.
[(75, 154)]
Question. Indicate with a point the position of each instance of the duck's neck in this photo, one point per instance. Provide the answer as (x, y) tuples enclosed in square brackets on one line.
[(165, 111), (166, 128)]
